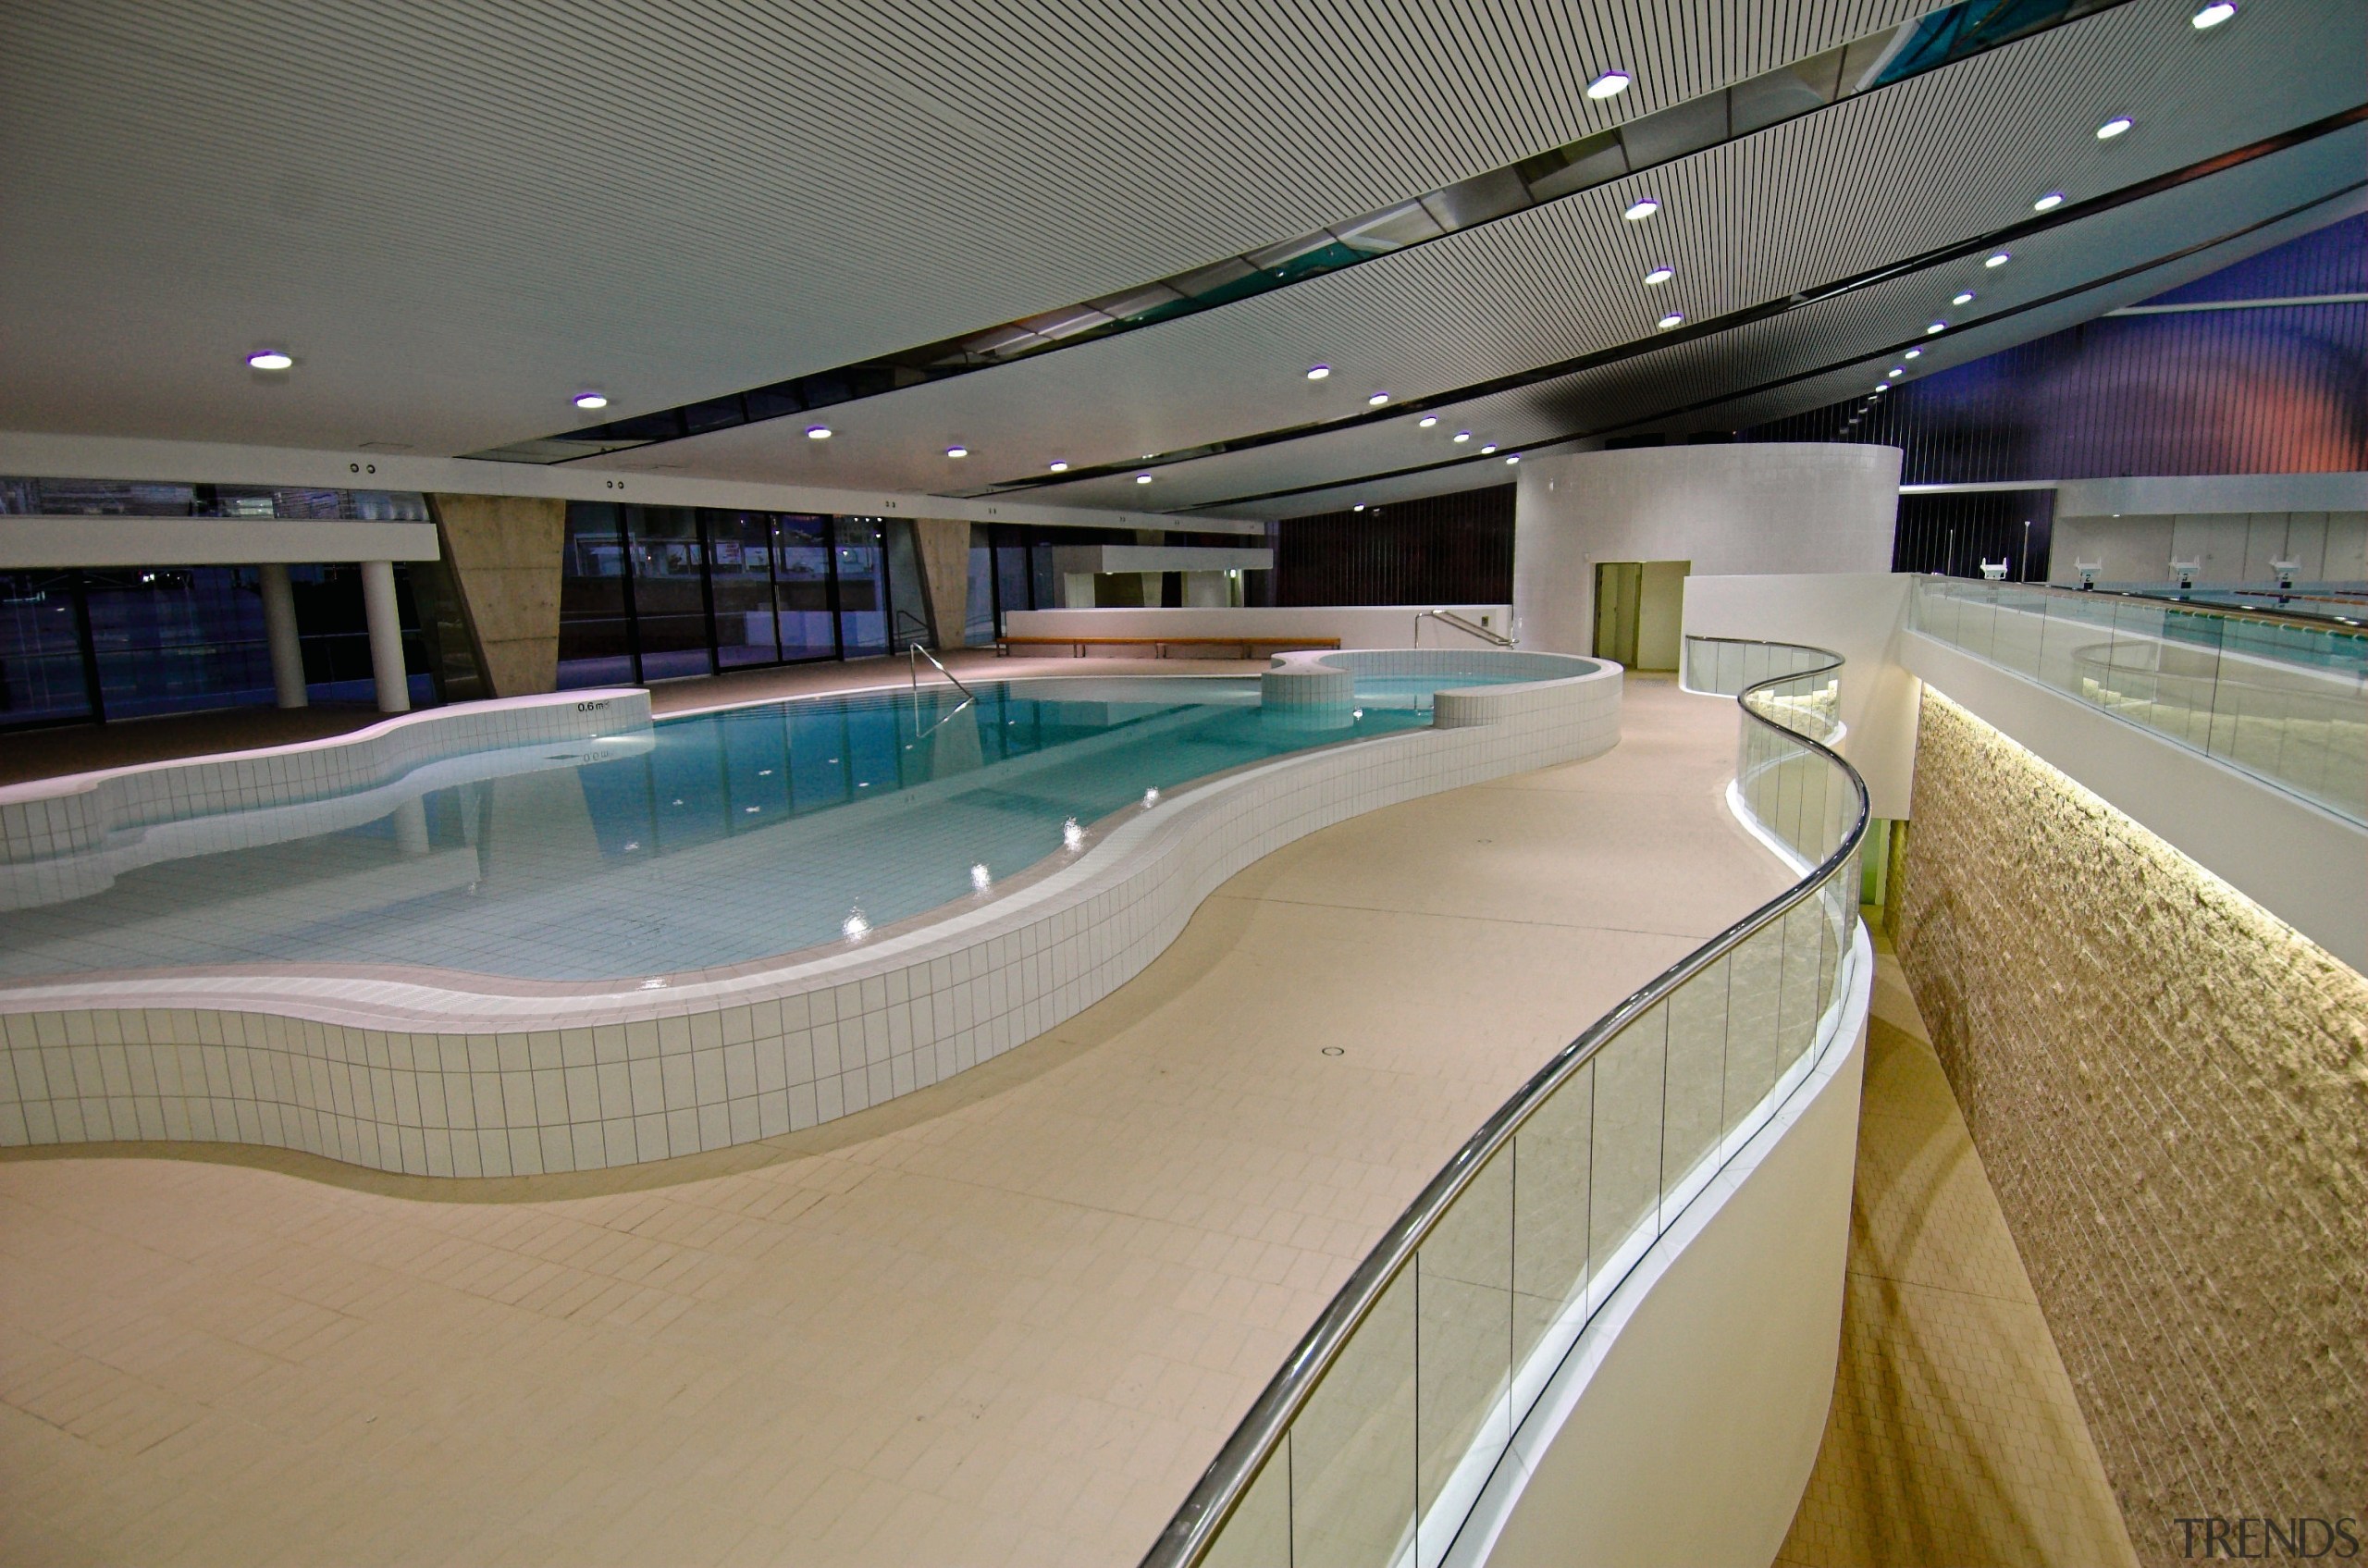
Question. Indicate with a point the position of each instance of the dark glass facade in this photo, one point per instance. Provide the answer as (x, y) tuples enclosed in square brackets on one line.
[(656, 593), (80, 645)]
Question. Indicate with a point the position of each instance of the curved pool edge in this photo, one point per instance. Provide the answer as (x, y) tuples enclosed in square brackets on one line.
[(41, 819), (421, 1079)]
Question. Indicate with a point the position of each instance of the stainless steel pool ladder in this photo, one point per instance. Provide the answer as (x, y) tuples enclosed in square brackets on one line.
[(914, 653)]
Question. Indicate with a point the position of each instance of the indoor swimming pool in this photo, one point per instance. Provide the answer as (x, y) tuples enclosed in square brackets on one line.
[(707, 840)]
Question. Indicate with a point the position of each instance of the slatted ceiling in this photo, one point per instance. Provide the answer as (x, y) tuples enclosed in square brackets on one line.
[(1784, 345), (921, 168), (675, 199), (1818, 198)]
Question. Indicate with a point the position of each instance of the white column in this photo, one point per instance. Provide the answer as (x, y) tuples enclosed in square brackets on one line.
[(386, 636), (411, 826), (279, 632)]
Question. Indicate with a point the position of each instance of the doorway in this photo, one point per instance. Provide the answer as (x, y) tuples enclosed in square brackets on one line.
[(1639, 606)]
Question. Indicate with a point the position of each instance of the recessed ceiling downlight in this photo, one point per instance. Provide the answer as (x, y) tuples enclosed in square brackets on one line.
[(1059, 465), (1491, 448), (590, 401), (1641, 209), (1515, 458), (271, 359), (818, 432), (1912, 353), (1961, 297), (1463, 435), (1672, 319), (1610, 85), (2113, 128), (2211, 16), (1427, 421), (957, 451), (2053, 199), (1142, 478), (1936, 326), (1659, 276), (1377, 399), (1318, 372), (1999, 259)]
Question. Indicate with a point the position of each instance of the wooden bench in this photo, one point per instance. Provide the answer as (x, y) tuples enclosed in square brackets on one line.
[(1161, 645)]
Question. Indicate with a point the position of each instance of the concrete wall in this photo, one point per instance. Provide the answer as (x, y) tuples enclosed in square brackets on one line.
[(1809, 506), (1856, 614), (504, 552), (2169, 1089), (944, 551)]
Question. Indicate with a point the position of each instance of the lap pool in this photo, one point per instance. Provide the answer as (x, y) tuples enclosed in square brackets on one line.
[(705, 841)]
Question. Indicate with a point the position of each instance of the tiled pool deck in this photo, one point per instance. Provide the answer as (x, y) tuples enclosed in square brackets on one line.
[(1006, 1319)]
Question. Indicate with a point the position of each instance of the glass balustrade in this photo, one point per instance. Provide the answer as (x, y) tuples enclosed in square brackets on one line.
[(1373, 1444), (2281, 698)]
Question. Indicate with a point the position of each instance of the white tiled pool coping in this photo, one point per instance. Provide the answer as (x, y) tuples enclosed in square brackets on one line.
[(444, 1075)]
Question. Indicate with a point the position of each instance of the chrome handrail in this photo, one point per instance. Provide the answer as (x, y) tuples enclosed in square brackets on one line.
[(2168, 598), (1460, 624), (1193, 1529), (915, 653)]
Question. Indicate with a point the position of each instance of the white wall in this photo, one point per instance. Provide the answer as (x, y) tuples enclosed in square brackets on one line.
[(1361, 625), (1794, 507), (2302, 864), (2327, 547), (1857, 615), (39, 542)]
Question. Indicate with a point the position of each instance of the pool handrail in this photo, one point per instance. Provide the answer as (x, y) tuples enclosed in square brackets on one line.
[(1193, 1529)]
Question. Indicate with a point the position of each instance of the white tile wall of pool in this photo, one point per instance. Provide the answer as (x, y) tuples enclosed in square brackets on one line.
[(407, 1076)]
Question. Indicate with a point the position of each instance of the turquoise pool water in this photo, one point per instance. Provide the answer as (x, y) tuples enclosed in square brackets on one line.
[(720, 839)]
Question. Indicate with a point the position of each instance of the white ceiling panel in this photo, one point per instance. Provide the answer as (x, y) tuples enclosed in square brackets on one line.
[(1954, 154), (456, 213), (1621, 396)]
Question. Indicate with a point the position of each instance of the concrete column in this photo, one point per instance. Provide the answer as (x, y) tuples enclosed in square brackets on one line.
[(279, 632), (944, 545), (386, 636)]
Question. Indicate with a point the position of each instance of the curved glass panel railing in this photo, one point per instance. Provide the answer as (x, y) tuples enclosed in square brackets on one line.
[(1375, 1441), (2282, 698)]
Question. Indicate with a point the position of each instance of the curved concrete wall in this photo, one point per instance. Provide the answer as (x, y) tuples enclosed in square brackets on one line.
[(1779, 506)]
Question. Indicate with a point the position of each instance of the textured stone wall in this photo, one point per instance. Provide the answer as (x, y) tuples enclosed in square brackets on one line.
[(504, 552), (2169, 1088)]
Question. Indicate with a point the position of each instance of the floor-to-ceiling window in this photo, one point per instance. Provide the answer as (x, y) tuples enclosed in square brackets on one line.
[(650, 593), (803, 589), (667, 549), (862, 561), (41, 674), (981, 618), (596, 643), (740, 567), (95, 643)]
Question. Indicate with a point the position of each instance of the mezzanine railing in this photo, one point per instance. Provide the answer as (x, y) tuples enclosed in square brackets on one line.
[(1374, 1441)]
